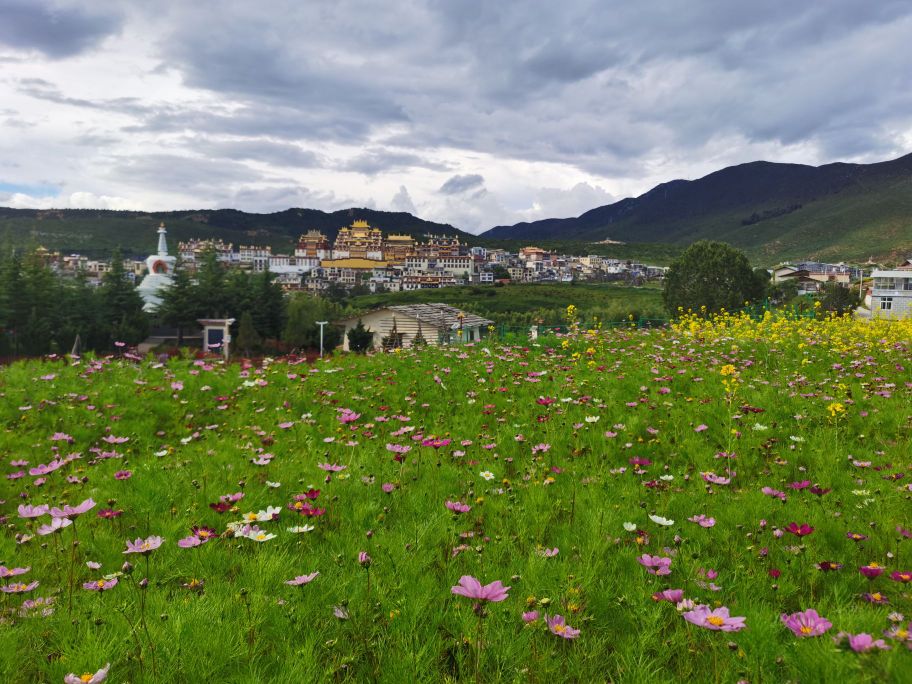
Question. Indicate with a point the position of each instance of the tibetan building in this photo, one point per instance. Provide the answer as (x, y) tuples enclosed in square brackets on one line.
[(358, 241)]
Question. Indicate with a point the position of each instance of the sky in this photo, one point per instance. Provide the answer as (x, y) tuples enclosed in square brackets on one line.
[(469, 112)]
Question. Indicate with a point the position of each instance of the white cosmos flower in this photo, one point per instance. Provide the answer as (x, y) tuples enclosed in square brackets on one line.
[(630, 527), (659, 520), (163, 452), (666, 478), (259, 536), (273, 485), (592, 419), (301, 529), (487, 474)]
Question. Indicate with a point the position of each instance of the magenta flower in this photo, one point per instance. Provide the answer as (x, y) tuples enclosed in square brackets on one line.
[(717, 620), (200, 535), (388, 487), (144, 546), (655, 565), (828, 566), (88, 678), (799, 530), (458, 506), (123, 475), (871, 570), (28, 511), (855, 536), (531, 616), (101, 585), (876, 598), (301, 580), (806, 624), (671, 595), (471, 588), (558, 626), (903, 576)]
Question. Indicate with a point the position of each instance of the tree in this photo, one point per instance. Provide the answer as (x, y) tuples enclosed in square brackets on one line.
[(301, 330), (211, 293), (360, 339), (499, 272), (713, 275), (248, 338), (121, 306), (179, 307), (268, 304), (838, 299)]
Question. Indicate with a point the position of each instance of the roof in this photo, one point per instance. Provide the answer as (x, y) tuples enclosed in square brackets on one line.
[(889, 274), (435, 315)]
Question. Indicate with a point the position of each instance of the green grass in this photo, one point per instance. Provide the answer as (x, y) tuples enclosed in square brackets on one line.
[(523, 304), (644, 393)]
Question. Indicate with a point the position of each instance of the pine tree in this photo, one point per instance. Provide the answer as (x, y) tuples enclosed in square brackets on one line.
[(360, 339), (179, 305), (247, 338), (121, 306)]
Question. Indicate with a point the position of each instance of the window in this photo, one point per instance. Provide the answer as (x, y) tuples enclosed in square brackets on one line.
[(907, 284), (886, 303), (885, 283)]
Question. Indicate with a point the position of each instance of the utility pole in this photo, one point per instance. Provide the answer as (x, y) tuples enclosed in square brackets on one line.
[(321, 324)]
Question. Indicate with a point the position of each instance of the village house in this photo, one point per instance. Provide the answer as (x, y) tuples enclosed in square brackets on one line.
[(891, 294), (400, 325)]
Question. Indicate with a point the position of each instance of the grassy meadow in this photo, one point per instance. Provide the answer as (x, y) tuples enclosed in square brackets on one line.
[(759, 467)]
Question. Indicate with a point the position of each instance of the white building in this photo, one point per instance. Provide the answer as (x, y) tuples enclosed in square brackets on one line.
[(891, 295), (160, 266), (398, 326)]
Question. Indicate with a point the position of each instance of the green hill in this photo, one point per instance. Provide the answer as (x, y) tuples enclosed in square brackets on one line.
[(772, 211), (97, 232)]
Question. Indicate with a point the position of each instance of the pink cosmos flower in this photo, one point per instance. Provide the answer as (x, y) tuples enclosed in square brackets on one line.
[(18, 588), (364, 559), (702, 520), (123, 475), (531, 616), (12, 572), (655, 565), (101, 585), (861, 643), (55, 525), (458, 506), (717, 620), (806, 624), (769, 491), (471, 588), (72, 511), (29, 511), (301, 580), (144, 546), (558, 626), (549, 553), (701, 427), (331, 467), (88, 678), (671, 595), (712, 478)]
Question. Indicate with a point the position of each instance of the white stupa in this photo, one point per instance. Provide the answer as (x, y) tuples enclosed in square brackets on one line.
[(160, 267)]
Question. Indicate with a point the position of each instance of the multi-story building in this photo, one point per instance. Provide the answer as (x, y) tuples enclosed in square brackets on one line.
[(254, 257), (891, 295), (313, 244), (459, 266), (358, 241), (191, 252), (397, 247), (441, 246)]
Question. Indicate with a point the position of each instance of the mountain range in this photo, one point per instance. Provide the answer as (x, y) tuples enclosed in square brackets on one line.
[(772, 211), (96, 232)]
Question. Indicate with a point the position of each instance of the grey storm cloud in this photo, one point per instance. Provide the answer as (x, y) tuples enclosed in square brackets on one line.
[(423, 89), (54, 28), (459, 184)]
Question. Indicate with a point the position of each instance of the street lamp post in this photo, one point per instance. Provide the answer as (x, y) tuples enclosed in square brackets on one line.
[(321, 324)]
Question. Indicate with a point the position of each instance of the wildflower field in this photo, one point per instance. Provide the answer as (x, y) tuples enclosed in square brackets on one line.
[(718, 501)]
